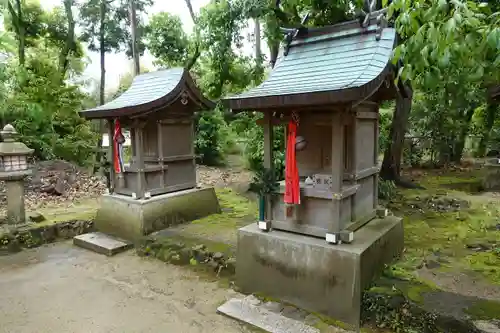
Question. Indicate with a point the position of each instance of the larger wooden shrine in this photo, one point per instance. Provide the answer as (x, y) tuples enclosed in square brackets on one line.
[(322, 252), (332, 81), (159, 111)]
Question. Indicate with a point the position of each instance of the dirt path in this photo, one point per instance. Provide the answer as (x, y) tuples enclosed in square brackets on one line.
[(60, 288)]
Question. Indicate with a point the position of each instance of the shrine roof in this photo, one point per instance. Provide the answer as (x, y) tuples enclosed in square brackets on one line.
[(152, 92), (337, 64)]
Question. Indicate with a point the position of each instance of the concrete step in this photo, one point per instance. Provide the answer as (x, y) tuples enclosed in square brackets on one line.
[(247, 311), (101, 243)]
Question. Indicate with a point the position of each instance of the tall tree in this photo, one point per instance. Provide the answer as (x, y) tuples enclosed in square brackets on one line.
[(195, 54), (134, 31), (166, 40), (441, 40), (70, 44), (15, 8)]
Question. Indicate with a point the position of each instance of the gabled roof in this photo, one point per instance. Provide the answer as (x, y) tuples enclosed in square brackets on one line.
[(336, 64), (150, 92)]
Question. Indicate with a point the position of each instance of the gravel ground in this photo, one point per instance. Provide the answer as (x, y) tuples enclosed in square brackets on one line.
[(60, 288)]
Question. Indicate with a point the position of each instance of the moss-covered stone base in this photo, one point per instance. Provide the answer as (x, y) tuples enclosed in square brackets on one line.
[(131, 219), (13, 239)]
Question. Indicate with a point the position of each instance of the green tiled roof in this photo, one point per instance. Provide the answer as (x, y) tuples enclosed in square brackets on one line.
[(149, 91), (348, 57)]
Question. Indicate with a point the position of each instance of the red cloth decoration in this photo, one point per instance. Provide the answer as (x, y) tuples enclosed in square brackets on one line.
[(292, 187), (118, 140)]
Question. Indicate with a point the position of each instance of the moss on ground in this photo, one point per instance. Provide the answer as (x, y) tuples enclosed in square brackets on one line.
[(445, 235), (236, 211), (485, 310)]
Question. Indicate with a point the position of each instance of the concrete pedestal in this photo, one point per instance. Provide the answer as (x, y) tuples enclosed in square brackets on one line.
[(130, 219), (491, 181), (15, 202), (313, 275)]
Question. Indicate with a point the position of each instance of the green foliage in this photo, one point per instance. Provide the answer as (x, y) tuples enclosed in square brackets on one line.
[(116, 24), (386, 189), (264, 182), (166, 40), (210, 130), (384, 128), (254, 149), (441, 35), (44, 112)]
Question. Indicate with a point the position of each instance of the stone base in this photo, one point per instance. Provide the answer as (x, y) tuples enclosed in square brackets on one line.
[(491, 181), (312, 274), (131, 219)]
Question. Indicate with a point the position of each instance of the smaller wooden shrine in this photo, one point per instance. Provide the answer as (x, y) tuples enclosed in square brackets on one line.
[(322, 251), (158, 110)]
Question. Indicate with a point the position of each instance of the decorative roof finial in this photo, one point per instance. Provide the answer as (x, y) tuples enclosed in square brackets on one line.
[(8, 133), (291, 33)]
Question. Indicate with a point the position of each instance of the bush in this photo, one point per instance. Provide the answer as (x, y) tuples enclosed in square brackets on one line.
[(211, 133), (385, 121), (386, 189), (254, 149), (44, 111)]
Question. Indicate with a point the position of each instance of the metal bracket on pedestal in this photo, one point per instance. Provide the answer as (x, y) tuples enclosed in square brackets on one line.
[(264, 225), (344, 236)]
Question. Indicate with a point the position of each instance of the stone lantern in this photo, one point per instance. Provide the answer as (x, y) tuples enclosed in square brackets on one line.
[(14, 168)]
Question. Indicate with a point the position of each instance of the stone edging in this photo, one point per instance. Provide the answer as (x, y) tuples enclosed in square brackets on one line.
[(33, 236)]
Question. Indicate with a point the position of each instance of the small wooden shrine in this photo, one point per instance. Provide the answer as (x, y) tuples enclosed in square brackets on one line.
[(158, 110), (327, 83)]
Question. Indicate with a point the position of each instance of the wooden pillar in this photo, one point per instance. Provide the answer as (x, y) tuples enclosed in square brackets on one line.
[(111, 155), (333, 234), (268, 164), (159, 136), (139, 144), (353, 145), (375, 160), (193, 149)]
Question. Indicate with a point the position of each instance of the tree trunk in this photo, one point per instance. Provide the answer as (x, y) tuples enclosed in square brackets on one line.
[(19, 28), (194, 57), (22, 34), (258, 48), (391, 165), (70, 39), (102, 51), (274, 49), (135, 51), (459, 143), (489, 121)]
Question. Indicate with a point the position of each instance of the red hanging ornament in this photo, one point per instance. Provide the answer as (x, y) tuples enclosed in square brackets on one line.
[(292, 186)]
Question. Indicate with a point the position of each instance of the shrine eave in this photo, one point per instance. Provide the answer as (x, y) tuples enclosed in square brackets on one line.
[(152, 92), (340, 64)]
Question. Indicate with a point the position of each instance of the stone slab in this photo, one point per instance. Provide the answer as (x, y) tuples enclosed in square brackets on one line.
[(131, 219), (485, 326), (246, 311), (310, 273), (101, 243)]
